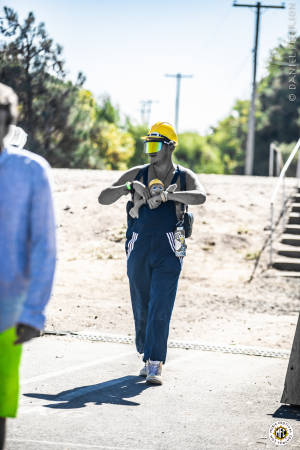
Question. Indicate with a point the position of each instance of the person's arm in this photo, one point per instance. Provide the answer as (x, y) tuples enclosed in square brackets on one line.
[(195, 193), (42, 250), (118, 188)]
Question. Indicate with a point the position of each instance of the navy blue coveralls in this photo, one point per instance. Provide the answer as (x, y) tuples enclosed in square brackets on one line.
[(153, 270)]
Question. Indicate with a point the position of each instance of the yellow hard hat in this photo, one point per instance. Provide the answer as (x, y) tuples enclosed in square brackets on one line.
[(155, 181), (161, 130)]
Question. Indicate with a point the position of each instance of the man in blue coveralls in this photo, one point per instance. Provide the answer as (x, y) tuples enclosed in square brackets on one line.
[(27, 254), (153, 268)]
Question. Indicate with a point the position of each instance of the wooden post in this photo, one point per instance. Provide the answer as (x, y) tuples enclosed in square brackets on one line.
[(291, 391)]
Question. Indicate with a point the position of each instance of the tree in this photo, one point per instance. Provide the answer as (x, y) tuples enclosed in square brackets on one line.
[(137, 131), (229, 137), (278, 117), (101, 143), (116, 146), (108, 112), (64, 121), (195, 152), (32, 65)]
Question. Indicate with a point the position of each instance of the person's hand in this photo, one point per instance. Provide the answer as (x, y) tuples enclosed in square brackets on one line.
[(141, 189), (154, 201), (172, 187), (25, 333), (134, 212)]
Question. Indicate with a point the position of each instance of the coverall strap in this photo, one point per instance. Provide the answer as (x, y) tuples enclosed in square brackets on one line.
[(183, 187), (144, 172)]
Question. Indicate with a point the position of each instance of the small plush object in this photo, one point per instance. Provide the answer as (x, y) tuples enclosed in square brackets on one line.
[(156, 187)]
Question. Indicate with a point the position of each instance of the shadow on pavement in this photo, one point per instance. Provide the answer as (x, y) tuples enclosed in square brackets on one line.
[(287, 412), (114, 392)]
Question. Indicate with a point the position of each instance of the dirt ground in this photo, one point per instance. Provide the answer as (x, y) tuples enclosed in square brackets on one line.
[(215, 301)]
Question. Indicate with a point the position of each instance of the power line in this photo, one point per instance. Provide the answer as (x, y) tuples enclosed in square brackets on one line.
[(217, 30), (178, 77), (239, 70), (251, 122)]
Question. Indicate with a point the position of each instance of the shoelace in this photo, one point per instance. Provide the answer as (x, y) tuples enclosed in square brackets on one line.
[(153, 367)]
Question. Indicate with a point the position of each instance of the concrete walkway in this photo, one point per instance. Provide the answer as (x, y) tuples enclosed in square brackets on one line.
[(87, 395)]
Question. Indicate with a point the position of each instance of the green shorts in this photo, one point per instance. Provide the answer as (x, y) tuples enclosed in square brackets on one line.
[(10, 357)]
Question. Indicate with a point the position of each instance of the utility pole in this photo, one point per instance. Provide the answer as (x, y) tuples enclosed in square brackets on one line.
[(146, 106), (178, 77), (251, 121), (143, 108)]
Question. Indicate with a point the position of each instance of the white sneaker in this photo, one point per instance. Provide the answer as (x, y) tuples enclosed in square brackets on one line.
[(154, 372), (143, 371)]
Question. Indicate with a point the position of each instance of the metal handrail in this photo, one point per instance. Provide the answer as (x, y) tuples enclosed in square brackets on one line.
[(275, 193)]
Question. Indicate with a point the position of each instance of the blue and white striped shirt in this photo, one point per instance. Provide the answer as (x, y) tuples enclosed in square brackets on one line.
[(27, 238)]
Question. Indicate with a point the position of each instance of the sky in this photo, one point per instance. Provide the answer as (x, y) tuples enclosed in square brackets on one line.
[(126, 47)]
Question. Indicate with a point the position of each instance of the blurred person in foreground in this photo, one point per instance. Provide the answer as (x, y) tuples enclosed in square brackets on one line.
[(27, 254), (154, 254)]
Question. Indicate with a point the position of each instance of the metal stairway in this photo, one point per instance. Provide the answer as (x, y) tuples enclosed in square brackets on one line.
[(287, 251), (287, 242)]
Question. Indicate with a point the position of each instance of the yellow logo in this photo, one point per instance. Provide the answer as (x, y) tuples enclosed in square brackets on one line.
[(280, 432)]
